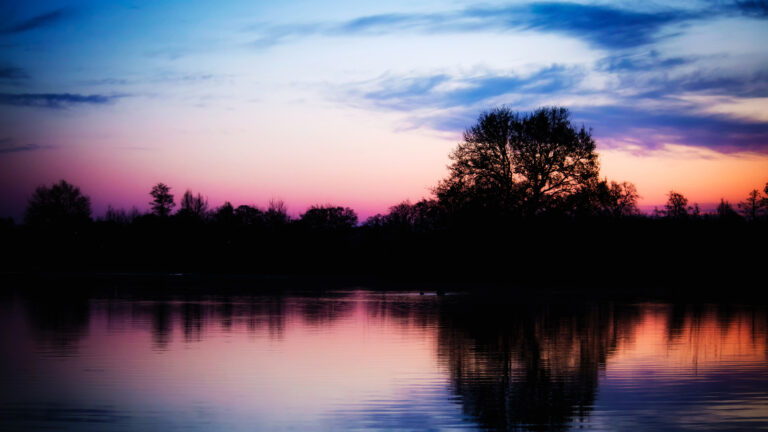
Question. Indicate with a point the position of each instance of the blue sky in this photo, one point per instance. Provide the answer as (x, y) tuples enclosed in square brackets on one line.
[(359, 103)]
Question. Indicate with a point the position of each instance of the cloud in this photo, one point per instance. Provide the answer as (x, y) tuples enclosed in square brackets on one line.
[(6, 146), (754, 8), (656, 83), (54, 100), (641, 62), (747, 85), (12, 73), (38, 21), (650, 129), (653, 128), (162, 78), (602, 26), (442, 91), (653, 111)]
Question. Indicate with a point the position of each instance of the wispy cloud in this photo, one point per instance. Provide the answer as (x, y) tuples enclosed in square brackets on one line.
[(7, 146), (54, 100), (748, 84), (754, 8), (649, 129), (447, 103), (162, 78), (37, 21), (654, 127), (602, 26), (12, 73), (641, 62), (442, 91)]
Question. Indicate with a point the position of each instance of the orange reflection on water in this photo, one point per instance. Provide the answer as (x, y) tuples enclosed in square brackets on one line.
[(696, 341)]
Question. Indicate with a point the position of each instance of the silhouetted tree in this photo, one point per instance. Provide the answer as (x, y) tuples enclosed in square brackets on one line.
[(750, 207), (276, 214), (726, 212), (60, 204), (402, 215), (225, 214), (162, 200), (603, 198), (248, 215), (623, 199), (531, 159), (677, 206), (116, 216), (695, 211), (376, 221), (423, 216), (329, 218), (765, 197), (195, 206)]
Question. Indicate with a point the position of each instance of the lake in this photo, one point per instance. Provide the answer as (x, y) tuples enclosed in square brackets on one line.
[(372, 360)]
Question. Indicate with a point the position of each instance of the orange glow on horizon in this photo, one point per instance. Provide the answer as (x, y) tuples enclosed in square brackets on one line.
[(703, 176)]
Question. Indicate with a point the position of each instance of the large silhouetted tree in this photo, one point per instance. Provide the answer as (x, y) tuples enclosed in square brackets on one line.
[(162, 200), (528, 160), (60, 204)]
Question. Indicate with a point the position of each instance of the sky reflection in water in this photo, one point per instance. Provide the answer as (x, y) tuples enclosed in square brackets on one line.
[(367, 360)]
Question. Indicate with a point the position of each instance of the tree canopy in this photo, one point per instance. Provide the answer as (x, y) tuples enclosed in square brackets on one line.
[(162, 200), (60, 204), (193, 206), (329, 217), (528, 162)]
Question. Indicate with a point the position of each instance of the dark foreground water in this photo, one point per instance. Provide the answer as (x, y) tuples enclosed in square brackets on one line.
[(370, 360)]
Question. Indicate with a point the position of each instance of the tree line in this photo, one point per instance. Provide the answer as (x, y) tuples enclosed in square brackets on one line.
[(523, 201), (509, 166)]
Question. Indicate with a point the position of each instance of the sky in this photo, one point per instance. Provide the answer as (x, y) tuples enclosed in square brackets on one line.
[(359, 103)]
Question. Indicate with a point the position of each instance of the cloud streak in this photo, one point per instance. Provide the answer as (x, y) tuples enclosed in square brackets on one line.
[(54, 100), (445, 103), (6, 146), (602, 26), (37, 21), (12, 73), (753, 8), (653, 128), (442, 91)]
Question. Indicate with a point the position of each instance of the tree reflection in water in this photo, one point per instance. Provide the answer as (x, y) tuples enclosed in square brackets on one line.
[(513, 365), (533, 366)]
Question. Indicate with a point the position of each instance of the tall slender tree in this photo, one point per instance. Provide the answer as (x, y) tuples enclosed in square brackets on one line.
[(750, 207), (192, 205), (162, 200)]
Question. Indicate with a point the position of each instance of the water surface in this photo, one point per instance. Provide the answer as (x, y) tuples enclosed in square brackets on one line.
[(371, 360)]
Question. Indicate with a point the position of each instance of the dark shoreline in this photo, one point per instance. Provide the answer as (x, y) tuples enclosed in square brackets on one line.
[(159, 284)]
